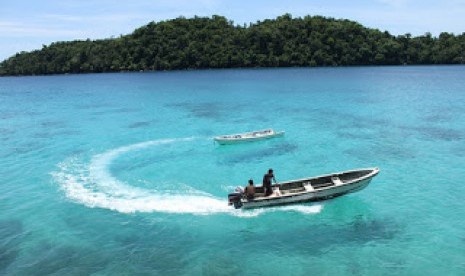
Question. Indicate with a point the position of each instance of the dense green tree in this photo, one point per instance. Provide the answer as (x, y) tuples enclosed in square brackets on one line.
[(215, 42)]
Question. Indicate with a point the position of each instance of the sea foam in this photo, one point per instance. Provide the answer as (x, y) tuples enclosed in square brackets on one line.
[(93, 185)]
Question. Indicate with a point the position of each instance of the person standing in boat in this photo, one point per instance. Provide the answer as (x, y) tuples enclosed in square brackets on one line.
[(267, 182), (250, 190)]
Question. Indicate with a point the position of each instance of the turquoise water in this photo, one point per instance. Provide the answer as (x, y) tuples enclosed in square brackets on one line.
[(117, 174)]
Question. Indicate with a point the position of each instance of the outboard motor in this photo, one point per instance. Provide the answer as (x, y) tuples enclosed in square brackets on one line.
[(235, 198)]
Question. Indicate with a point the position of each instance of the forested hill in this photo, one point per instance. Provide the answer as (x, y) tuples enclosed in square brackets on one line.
[(203, 42)]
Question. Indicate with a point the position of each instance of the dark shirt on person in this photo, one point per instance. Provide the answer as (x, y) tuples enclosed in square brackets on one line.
[(267, 179), (267, 183)]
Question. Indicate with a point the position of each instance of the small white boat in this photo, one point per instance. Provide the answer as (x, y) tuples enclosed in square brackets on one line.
[(248, 136), (307, 189)]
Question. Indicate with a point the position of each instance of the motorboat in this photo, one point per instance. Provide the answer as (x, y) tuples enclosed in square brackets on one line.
[(307, 189), (248, 136)]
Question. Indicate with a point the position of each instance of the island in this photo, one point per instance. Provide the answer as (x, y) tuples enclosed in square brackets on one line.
[(216, 42)]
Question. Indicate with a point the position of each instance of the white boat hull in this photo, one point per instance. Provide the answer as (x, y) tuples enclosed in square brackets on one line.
[(331, 190), (247, 137), (307, 196)]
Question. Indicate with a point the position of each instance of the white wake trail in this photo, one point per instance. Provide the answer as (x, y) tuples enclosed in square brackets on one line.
[(94, 186)]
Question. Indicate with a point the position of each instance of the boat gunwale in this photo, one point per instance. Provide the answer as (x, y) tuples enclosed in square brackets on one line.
[(374, 172), (230, 137)]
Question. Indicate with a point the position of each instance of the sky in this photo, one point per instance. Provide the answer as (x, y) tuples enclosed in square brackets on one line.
[(27, 25)]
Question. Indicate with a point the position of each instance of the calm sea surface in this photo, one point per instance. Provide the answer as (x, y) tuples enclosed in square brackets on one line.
[(117, 174)]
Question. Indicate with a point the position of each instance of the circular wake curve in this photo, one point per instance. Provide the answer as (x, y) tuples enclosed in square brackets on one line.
[(94, 186)]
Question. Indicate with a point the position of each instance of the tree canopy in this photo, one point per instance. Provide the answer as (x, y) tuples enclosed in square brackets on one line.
[(215, 42)]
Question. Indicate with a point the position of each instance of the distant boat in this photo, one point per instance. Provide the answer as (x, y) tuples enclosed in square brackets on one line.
[(248, 136), (307, 189)]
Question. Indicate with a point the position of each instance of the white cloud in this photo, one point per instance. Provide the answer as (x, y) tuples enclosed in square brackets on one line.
[(394, 3), (91, 19), (19, 29), (63, 17)]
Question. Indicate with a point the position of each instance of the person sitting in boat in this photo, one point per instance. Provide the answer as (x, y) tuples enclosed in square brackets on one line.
[(250, 190), (267, 182)]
